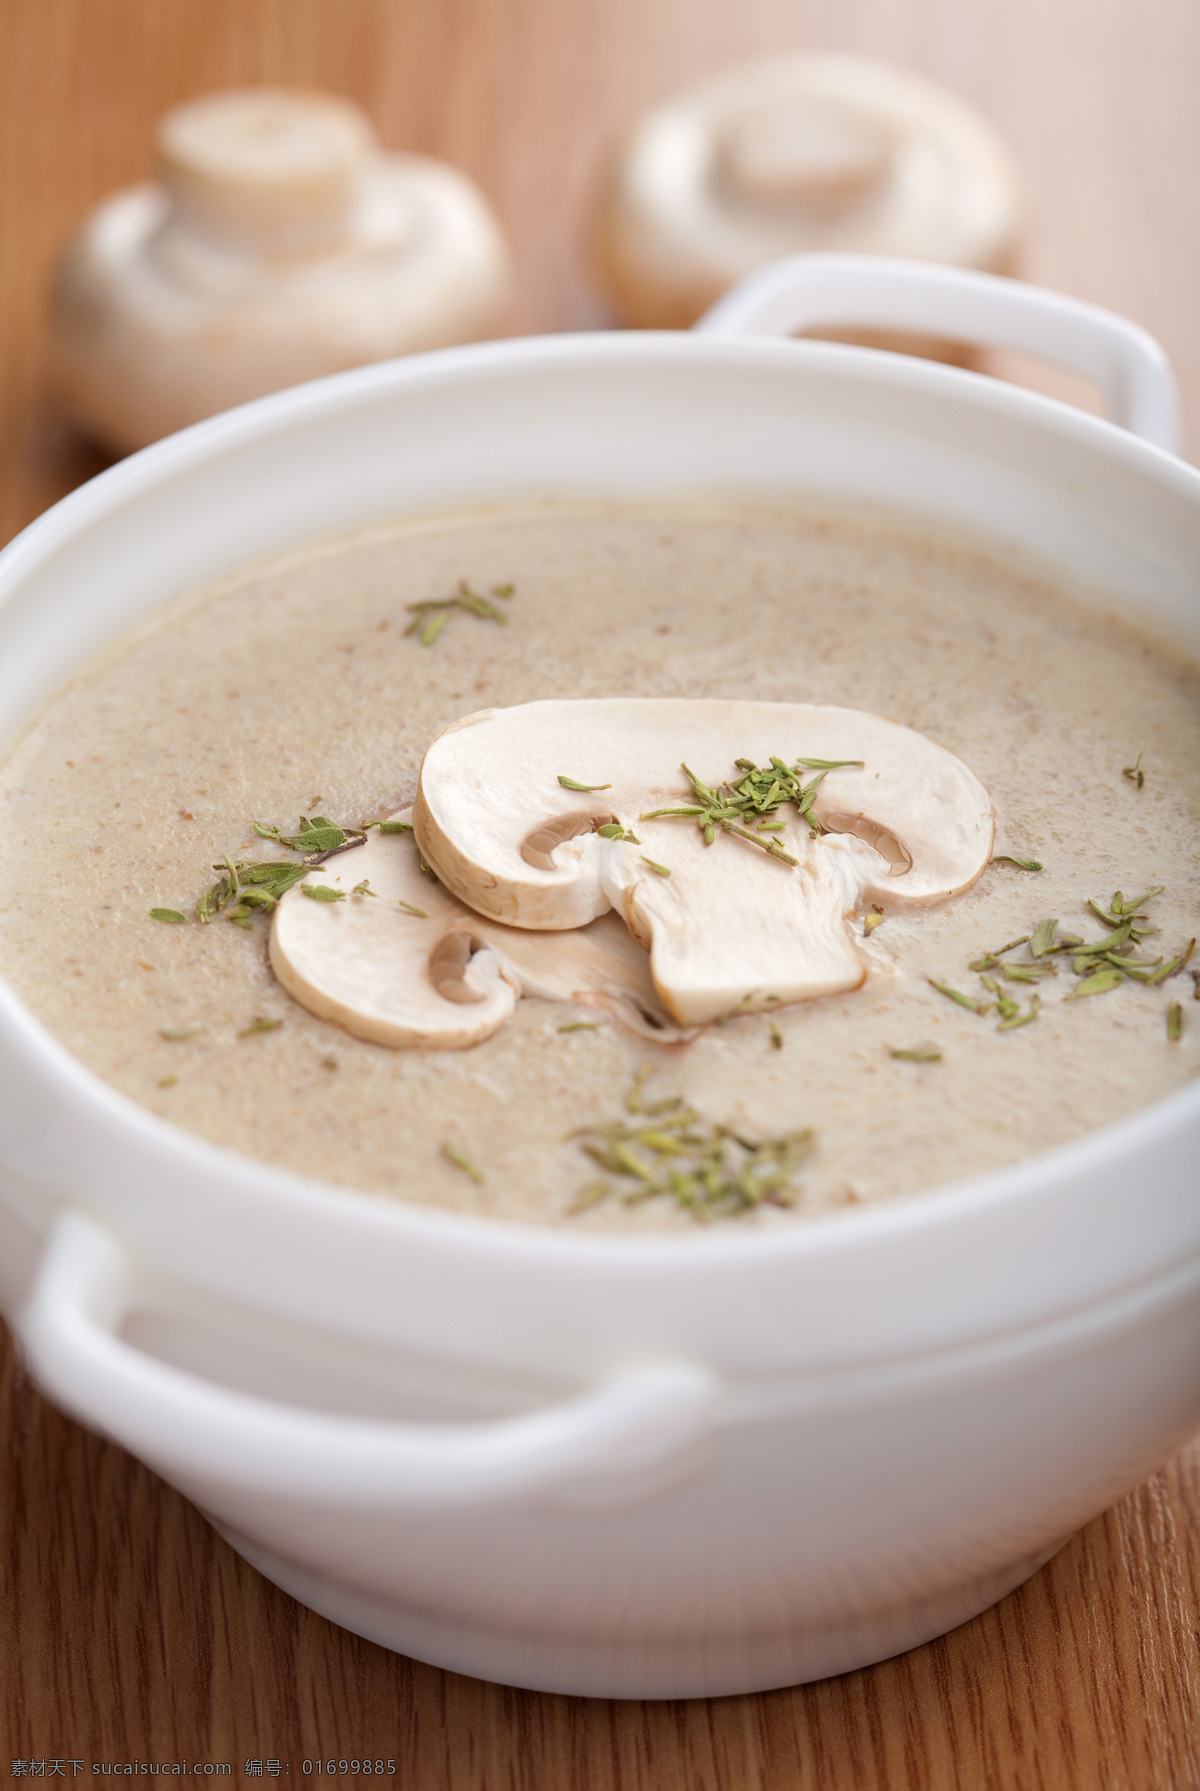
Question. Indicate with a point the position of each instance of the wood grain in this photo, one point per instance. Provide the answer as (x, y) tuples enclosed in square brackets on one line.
[(127, 1628)]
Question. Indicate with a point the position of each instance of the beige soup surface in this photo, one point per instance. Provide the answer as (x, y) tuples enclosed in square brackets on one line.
[(294, 689)]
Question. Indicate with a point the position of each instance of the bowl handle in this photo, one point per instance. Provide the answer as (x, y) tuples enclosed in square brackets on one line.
[(805, 292), (637, 1424)]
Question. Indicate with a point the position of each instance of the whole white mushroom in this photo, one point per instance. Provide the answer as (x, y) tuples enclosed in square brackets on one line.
[(795, 154), (278, 245)]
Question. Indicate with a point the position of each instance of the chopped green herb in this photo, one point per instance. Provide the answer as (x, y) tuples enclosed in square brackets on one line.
[(1042, 939), (776, 1035), (990, 959), (174, 1034), (427, 871), (274, 875), (664, 1150), (1099, 948), (430, 617), (392, 826), (759, 793), (612, 830), (967, 1001), (1174, 1021), (171, 915), (321, 892), (659, 869), (1134, 772), (1017, 1018), (167, 1081), (1098, 983), (821, 764), (568, 783), (873, 920), (316, 835), (1120, 908), (1175, 965), (259, 1026), (589, 1196), (362, 889), (917, 1056), (580, 1026), (461, 1161), (1022, 864), (410, 909)]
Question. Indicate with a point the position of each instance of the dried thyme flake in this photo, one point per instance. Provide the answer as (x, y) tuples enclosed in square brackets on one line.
[(167, 1081), (1022, 864), (776, 1036), (568, 783), (174, 1035), (1098, 983), (581, 1026), (1134, 772), (660, 870), (991, 959), (410, 908), (1174, 1022), (427, 871), (272, 876), (461, 1161), (317, 834), (321, 892), (967, 1001), (259, 1026), (1099, 948), (1042, 939), (1009, 1021), (588, 1197), (1026, 973), (664, 1150), (391, 826), (431, 615), (917, 1056), (172, 916), (1122, 908), (363, 889), (1174, 966)]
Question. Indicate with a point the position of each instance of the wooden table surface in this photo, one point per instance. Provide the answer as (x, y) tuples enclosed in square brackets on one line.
[(129, 1631)]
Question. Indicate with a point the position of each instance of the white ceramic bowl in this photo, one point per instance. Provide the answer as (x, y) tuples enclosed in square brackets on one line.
[(621, 1466)]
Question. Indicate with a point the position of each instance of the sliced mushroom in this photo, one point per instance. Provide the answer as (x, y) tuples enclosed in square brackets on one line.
[(731, 927), (408, 964)]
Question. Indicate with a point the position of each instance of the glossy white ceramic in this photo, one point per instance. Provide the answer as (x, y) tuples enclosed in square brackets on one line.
[(626, 1467)]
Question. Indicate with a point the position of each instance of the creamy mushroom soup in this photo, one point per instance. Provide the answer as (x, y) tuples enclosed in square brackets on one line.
[(297, 690)]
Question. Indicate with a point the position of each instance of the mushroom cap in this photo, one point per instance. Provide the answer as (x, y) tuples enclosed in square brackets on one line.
[(282, 246), (730, 927), (449, 979), (790, 154)]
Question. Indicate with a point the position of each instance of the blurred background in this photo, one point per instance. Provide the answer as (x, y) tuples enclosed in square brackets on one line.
[(1096, 101)]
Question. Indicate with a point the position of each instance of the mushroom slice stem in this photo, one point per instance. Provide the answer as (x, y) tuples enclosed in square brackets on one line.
[(408, 964), (748, 911)]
